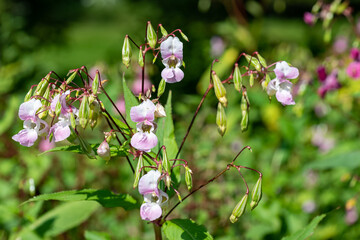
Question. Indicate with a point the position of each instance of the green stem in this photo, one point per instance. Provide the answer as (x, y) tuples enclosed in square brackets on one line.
[(157, 230)]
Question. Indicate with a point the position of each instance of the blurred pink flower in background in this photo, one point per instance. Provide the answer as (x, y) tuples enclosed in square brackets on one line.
[(340, 45), (321, 139), (45, 145)]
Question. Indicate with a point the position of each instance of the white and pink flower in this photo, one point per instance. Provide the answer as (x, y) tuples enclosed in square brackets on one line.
[(172, 53), (154, 198)]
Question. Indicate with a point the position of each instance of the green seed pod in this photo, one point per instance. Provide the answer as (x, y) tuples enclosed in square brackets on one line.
[(161, 88), (94, 113), (163, 31), (219, 88), (86, 148), (221, 119), (45, 104), (168, 181), (96, 83), (244, 112), (154, 60), (43, 84), (262, 60), (138, 171), (184, 36), (72, 120), (253, 62), (58, 108), (28, 95), (151, 35), (251, 80), (265, 83), (166, 163), (84, 111), (141, 58), (188, 178), (256, 194), (71, 78), (126, 52), (237, 78), (239, 209)]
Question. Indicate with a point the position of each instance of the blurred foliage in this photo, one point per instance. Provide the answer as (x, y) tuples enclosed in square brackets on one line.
[(300, 180)]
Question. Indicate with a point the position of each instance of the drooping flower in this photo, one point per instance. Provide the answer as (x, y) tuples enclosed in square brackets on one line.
[(33, 125), (282, 91), (61, 129), (144, 139), (283, 71), (172, 53), (154, 198)]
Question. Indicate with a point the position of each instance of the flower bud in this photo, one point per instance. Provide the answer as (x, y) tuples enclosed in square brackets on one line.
[(244, 112), (251, 80), (58, 108), (165, 162), (159, 111), (237, 78), (84, 111), (104, 151), (154, 60), (161, 88), (221, 119), (188, 178), (179, 196), (219, 88), (253, 62), (72, 76), (256, 194), (151, 35), (138, 170), (29, 95), (239, 209), (94, 113), (126, 52), (163, 31), (44, 108), (184, 36), (72, 120), (141, 58), (95, 83)]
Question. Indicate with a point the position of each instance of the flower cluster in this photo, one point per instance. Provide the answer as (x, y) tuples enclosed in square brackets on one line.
[(144, 114), (33, 125), (280, 86), (353, 70), (154, 198), (172, 53)]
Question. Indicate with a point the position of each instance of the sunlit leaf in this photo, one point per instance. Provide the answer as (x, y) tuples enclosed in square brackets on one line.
[(185, 229), (306, 232)]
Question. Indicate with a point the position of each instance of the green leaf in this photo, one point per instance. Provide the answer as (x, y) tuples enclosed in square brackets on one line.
[(120, 124), (185, 229), (105, 197), (116, 151), (349, 160), (92, 235), (165, 131), (63, 218), (130, 101), (306, 232)]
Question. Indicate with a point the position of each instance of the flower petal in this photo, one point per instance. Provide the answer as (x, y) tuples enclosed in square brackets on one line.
[(283, 95), (26, 137), (61, 131), (149, 183), (172, 46), (150, 211), (144, 141), (142, 112), (27, 110), (172, 75)]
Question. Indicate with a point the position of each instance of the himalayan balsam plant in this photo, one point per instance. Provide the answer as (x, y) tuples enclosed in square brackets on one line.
[(60, 109)]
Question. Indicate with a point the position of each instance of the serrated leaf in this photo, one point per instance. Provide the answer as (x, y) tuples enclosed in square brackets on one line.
[(116, 151), (63, 218), (130, 101), (105, 197), (306, 232), (185, 229)]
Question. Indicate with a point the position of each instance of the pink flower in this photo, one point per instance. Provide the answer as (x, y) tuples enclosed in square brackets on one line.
[(355, 54), (353, 70), (154, 198), (144, 139), (283, 71), (172, 54), (120, 104), (33, 125), (46, 145), (329, 83), (282, 91), (309, 18), (144, 111)]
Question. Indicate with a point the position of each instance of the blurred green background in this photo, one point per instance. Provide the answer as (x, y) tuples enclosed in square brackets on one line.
[(309, 153)]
